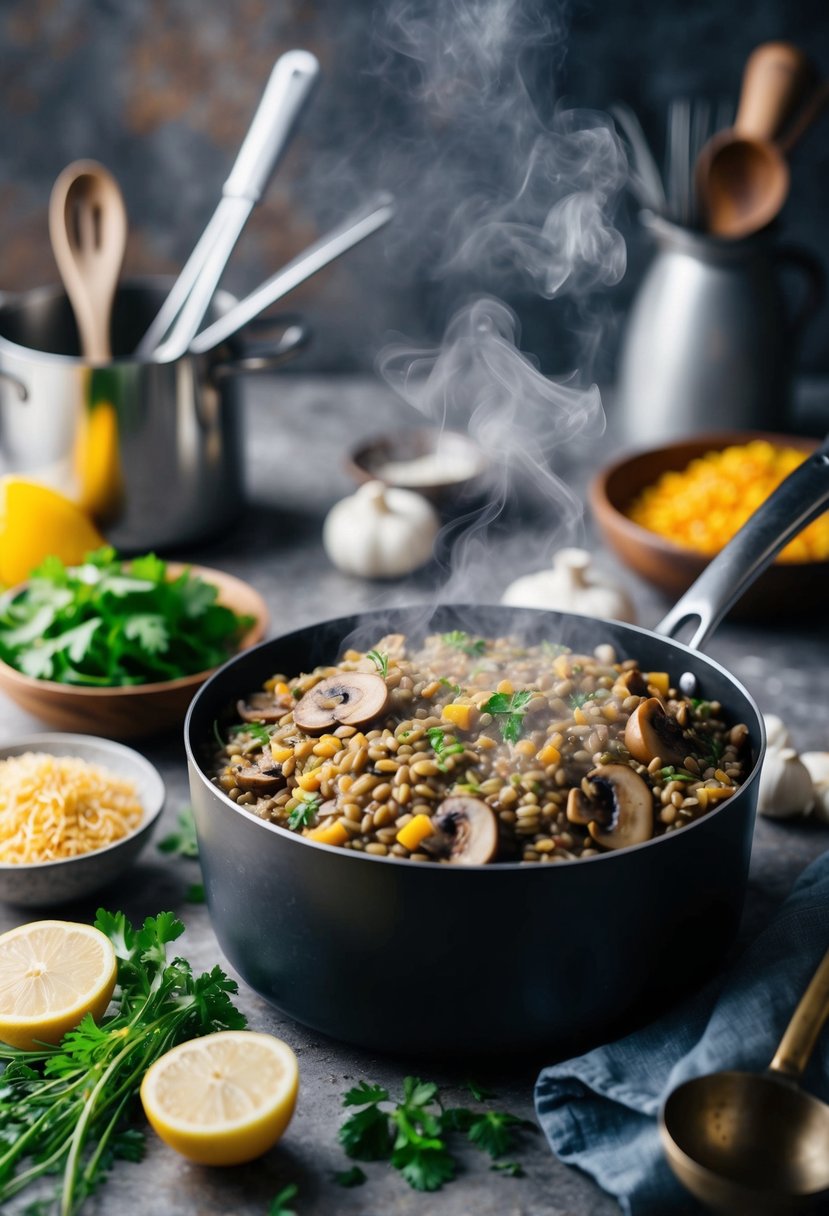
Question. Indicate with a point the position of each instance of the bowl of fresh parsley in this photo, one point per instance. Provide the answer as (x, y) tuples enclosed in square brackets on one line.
[(118, 648)]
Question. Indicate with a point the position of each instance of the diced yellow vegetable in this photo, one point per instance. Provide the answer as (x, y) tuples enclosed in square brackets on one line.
[(416, 829), (310, 781), (462, 716), (549, 755), (281, 689), (660, 680), (335, 833), (279, 752), (328, 746), (579, 716)]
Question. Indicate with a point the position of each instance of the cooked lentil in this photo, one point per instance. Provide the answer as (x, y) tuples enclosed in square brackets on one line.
[(551, 719)]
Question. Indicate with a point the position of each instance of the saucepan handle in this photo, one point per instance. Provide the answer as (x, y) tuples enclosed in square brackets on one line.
[(295, 335), (794, 504)]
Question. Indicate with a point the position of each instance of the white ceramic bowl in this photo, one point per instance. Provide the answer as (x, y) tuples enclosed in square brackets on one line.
[(40, 884)]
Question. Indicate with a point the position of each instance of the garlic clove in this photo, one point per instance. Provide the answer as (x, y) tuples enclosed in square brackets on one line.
[(573, 585), (785, 785), (380, 532), (777, 733)]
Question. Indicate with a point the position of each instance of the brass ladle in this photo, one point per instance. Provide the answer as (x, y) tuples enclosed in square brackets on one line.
[(755, 1143)]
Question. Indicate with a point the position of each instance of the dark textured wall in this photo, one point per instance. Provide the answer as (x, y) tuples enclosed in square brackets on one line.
[(162, 90)]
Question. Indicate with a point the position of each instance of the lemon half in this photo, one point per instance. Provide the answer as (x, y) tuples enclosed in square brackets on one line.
[(222, 1099), (52, 972)]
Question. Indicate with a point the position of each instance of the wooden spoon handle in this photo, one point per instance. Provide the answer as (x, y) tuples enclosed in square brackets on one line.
[(792, 1055), (776, 76)]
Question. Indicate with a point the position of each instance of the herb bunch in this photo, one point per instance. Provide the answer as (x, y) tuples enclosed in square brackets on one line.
[(108, 623), (65, 1109), (414, 1133)]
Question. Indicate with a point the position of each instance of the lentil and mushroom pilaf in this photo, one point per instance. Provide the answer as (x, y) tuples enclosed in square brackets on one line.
[(472, 750)]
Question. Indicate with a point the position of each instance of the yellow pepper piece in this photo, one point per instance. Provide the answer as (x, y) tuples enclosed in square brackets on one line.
[(35, 523), (334, 834), (310, 781), (328, 746), (549, 755), (281, 689), (461, 716), (280, 753), (414, 831), (580, 717), (660, 680)]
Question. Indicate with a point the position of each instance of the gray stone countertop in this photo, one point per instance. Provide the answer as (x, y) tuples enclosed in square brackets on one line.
[(297, 429)]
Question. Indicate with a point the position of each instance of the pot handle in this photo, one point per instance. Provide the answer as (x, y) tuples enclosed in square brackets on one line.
[(296, 335), (17, 385), (794, 504)]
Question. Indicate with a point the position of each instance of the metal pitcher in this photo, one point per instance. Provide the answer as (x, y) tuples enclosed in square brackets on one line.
[(710, 344), (151, 450)]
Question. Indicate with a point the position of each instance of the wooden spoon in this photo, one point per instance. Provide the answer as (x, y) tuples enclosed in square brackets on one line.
[(742, 177), (88, 229)]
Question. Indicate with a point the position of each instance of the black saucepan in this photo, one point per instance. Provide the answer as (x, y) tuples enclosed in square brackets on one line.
[(426, 958)]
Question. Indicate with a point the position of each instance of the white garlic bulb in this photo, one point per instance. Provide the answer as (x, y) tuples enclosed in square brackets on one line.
[(573, 585), (380, 532), (777, 733), (817, 765), (785, 785)]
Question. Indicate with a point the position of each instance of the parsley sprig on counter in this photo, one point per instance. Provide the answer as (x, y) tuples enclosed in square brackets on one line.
[(413, 1134), (108, 623), (65, 1110)]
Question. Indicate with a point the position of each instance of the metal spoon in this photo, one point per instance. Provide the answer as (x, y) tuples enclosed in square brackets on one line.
[(361, 224), (753, 1142), (286, 93), (742, 177), (88, 229)]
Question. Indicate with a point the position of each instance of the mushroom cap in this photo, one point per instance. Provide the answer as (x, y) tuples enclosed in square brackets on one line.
[(263, 776), (262, 707), (651, 732), (632, 807), (471, 829), (347, 698)]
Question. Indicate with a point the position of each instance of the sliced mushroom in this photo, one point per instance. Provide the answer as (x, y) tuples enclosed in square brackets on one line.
[(622, 806), (350, 698), (467, 832), (263, 777), (633, 683), (651, 732), (262, 707), (579, 808)]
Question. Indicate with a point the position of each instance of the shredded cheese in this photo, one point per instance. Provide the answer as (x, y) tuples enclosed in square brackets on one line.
[(53, 807)]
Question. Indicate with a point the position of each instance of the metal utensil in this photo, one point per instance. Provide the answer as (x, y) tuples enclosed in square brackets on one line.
[(88, 230), (646, 179), (754, 1142), (356, 228), (742, 178), (286, 93)]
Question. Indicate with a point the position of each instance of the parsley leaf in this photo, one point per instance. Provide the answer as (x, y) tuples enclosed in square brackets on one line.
[(278, 1205), (348, 1178), (511, 707), (380, 661), (182, 842), (494, 1132), (512, 1169), (455, 689), (195, 893), (437, 740), (366, 1134), (257, 731), (303, 816), (459, 640)]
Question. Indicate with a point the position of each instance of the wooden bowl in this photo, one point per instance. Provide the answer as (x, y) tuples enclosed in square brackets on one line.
[(140, 710), (782, 588), (56, 882), (373, 459)]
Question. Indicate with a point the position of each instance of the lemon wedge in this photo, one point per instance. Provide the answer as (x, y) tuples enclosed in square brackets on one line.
[(36, 522), (222, 1099), (52, 972)]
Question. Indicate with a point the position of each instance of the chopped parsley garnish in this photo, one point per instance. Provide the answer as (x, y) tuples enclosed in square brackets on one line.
[(380, 661), (195, 893), (349, 1178), (437, 739), (413, 1134), (459, 640), (182, 842), (278, 1206), (257, 731), (455, 689), (669, 773), (580, 698), (510, 707), (303, 816)]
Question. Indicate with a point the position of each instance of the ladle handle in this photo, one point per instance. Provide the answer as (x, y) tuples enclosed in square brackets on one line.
[(802, 1032), (775, 78), (794, 504)]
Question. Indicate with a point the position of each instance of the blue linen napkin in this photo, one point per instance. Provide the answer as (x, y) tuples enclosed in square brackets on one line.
[(599, 1111)]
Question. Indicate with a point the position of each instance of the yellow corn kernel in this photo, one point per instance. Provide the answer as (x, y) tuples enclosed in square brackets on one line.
[(281, 689), (462, 716), (505, 686), (328, 746), (660, 680), (310, 781), (549, 755), (579, 716), (279, 752), (335, 833), (715, 795), (416, 829)]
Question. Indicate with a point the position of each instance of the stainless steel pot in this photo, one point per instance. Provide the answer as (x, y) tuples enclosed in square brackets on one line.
[(152, 450), (406, 957)]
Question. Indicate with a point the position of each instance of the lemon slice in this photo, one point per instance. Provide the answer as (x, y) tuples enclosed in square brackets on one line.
[(222, 1099), (36, 522), (52, 972)]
